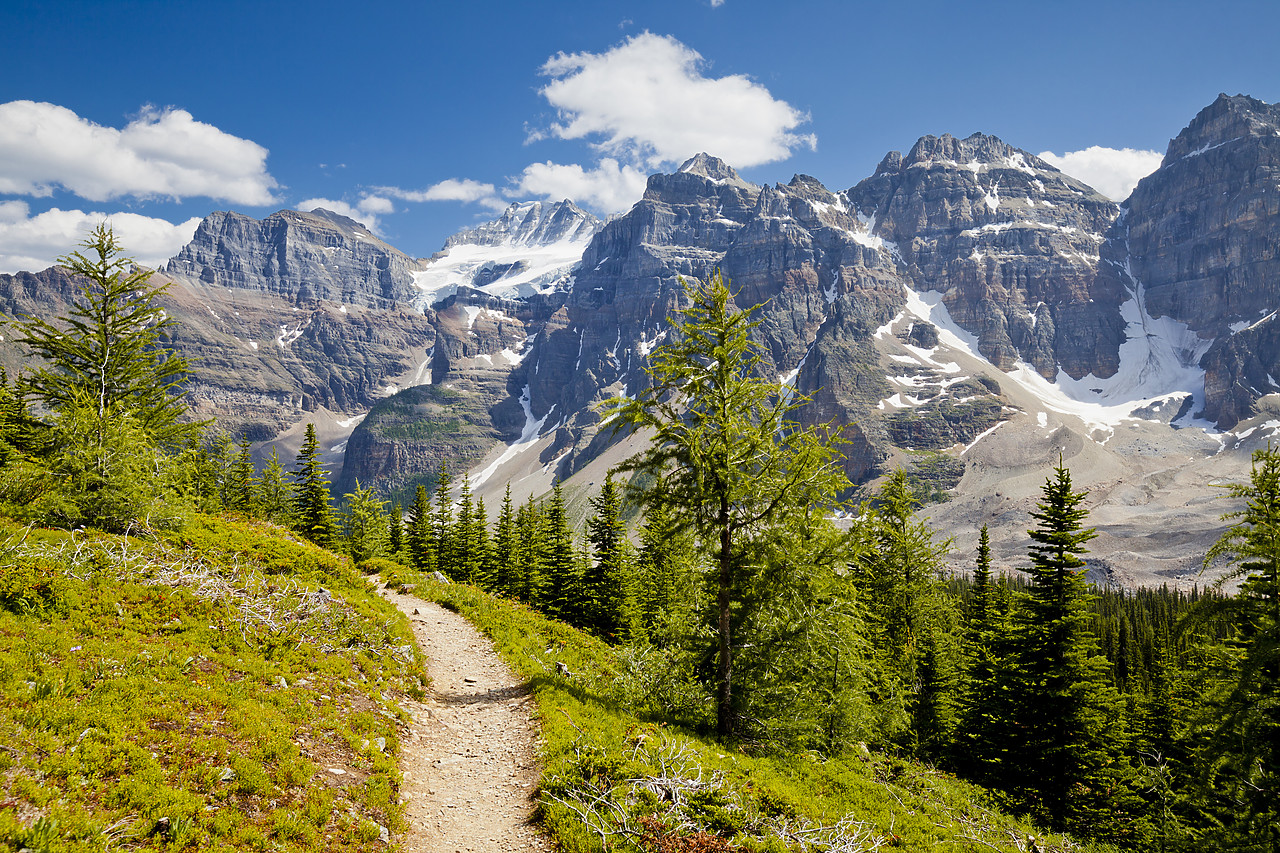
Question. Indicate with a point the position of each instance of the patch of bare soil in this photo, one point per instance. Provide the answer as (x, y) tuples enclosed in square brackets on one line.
[(468, 760)]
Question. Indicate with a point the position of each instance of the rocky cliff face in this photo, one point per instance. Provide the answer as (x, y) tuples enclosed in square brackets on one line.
[(1010, 242), (303, 258), (1204, 244)]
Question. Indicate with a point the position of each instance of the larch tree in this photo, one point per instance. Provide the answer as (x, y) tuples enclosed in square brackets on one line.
[(110, 354), (727, 460)]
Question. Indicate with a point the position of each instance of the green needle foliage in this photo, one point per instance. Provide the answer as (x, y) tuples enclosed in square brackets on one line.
[(311, 499), (1240, 722), (1066, 760), (728, 461), (111, 350)]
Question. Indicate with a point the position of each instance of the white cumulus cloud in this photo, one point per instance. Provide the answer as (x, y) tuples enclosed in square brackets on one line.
[(367, 211), (34, 243), (648, 101), (1114, 172), (161, 154), (609, 187)]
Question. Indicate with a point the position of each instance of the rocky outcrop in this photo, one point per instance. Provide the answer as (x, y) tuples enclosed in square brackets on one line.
[(301, 257)]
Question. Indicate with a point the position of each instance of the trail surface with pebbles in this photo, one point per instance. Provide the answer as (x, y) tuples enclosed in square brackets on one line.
[(468, 760)]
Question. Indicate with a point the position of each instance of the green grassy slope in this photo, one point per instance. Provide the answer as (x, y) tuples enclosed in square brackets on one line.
[(226, 687)]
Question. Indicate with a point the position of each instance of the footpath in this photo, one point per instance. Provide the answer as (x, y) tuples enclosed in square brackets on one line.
[(468, 760)]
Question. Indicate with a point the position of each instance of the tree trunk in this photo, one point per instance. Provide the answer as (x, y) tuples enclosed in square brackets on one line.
[(724, 708)]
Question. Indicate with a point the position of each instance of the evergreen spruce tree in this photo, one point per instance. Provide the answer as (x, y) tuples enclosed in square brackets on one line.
[(421, 533), (395, 533), (1067, 758), (607, 587), (557, 559), (483, 573), (665, 562), (22, 435), (312, 503), (529, 581), (442, 524), (986, 727), (503, 553), (364, 525), (1239, 727), (110, 352), (467, 560), (914, 620), (241, 482)]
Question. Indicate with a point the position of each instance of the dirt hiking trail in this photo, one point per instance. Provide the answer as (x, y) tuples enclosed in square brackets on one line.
[(468, 759)]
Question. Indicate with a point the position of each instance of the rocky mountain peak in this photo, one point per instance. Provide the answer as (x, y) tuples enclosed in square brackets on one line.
[(1226, 120), (710, 167), (531, 223), (303, 257)]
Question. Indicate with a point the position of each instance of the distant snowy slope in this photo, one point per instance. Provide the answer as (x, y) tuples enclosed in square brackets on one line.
[(531, 248)]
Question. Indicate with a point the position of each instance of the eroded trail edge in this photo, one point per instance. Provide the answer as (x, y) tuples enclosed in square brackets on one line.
[(468, 760)]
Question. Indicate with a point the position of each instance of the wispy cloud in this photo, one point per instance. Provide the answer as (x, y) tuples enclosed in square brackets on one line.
[(1114, 172), (164, 153), (453, 189)]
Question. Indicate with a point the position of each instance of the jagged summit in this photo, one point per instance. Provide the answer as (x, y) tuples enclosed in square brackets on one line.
[(712, 168), (531, 248), (338, 219), (1228, 119), (531, 223)]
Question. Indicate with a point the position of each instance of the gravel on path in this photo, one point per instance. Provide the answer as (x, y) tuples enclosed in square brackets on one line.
[(469, 759)]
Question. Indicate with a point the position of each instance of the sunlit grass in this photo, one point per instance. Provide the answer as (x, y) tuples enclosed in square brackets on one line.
[(195, 691)]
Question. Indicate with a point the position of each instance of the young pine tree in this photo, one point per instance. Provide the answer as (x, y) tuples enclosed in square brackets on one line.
[(421, 533), (312, 503), (442, 523), (395, 533), (558, 560), (1239, 727), (364, 525), (607, 588), (110, 353), (503, 550), (272, 495), (529, 582)]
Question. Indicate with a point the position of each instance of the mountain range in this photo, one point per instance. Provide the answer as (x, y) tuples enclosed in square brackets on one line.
[(968, 312)]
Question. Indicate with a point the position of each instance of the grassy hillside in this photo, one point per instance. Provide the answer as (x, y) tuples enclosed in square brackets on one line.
[(226, 687), (618, 780)]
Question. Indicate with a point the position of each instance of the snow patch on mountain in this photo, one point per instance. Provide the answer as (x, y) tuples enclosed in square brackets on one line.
[(1158, 361), (532, 248)]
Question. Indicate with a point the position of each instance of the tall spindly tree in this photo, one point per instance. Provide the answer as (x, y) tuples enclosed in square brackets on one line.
[(110, 351), (727, 460)]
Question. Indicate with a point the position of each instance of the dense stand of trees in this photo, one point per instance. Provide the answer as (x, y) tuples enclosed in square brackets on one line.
[(1150, 719)]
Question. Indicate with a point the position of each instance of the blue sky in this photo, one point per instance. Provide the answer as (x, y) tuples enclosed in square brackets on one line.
[(422, 118)]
